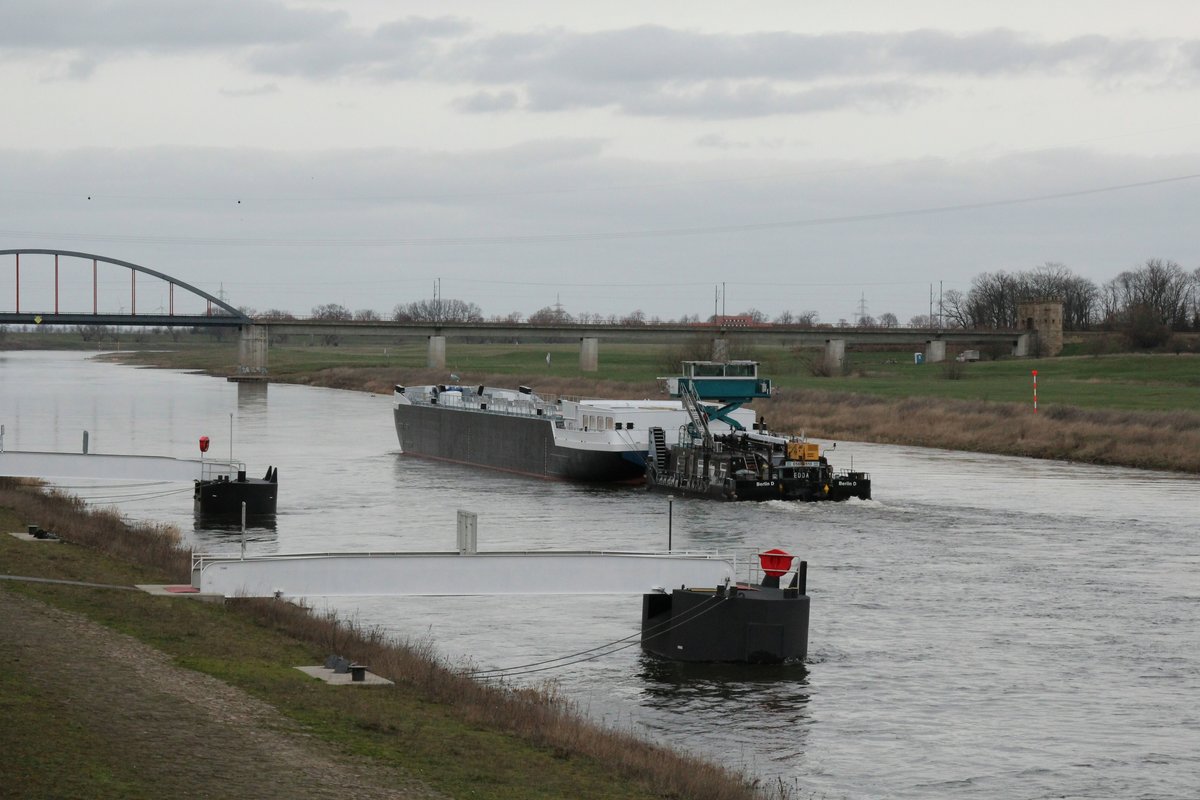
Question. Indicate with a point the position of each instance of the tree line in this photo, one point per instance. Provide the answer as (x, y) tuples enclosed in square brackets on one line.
[(1158, 294)]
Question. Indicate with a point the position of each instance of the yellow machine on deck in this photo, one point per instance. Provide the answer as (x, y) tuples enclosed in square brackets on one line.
[(803, 451)]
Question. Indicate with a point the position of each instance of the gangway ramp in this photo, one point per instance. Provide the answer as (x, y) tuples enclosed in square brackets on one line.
[(34, 464), (455, 573)]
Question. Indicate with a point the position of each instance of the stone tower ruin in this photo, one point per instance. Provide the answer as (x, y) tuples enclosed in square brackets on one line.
[(1045, 320)]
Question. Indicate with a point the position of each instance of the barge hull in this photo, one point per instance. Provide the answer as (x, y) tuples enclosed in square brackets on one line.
[(512, 443)]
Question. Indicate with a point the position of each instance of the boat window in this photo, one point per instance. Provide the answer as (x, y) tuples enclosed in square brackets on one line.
[(741, 370), (608, 423)]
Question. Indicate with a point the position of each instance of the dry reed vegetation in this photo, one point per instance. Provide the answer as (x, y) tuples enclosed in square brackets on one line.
[(536, 715), (1150, 440), (154, 546)]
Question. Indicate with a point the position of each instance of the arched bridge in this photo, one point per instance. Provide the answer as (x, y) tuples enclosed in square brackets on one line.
[(42, 297), (61, 287)]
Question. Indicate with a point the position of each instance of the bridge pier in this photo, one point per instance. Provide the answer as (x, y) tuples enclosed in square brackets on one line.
[(1022, 345), (935, 350), (720, 349), (436, 359), (252, 350), (835, 353), (589, 354)]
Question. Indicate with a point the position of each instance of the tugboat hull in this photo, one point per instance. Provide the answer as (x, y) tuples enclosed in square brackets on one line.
[(805, 485), (740, 464), (222, 499), (744, 624)]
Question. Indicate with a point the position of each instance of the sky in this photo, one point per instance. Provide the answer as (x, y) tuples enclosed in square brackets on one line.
[(673, 158)]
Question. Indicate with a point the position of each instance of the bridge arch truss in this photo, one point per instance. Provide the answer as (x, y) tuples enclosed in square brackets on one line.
[(218, 312)]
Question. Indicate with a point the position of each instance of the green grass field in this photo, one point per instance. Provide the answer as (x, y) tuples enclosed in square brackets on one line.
[(1125, 381)]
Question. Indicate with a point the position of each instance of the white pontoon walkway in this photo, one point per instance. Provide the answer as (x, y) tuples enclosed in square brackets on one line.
[(33, 464), (454, 573)]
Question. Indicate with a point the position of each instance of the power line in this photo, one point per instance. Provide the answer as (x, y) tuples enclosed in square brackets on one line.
[(558, 238), (237, 198)]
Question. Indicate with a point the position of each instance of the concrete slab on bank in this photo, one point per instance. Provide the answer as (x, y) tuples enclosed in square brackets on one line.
[(25, 537), (179, 590), (345, 678)]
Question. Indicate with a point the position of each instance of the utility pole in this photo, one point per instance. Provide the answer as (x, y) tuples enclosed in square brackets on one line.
[(941, 308), (722, 298)]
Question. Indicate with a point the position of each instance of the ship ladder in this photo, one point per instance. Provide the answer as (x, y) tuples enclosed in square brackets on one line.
[(658, 450), (697, 413)]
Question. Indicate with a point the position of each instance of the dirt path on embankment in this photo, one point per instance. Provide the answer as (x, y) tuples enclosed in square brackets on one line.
[(161, 730)]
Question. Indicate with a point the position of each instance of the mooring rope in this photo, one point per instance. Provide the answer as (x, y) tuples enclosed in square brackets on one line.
[(521, 669)]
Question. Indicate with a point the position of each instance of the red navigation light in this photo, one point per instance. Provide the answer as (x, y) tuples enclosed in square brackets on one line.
[(203, 444), (775, 562)]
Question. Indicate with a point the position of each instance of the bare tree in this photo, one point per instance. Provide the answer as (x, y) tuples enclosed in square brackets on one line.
[(331, 311), (1054, 281), (437, 310), (804, 319), (512, 318), (366, 315), (888, 320), (991, 302), (550, 315), (1159, 288), (1196, 300), (994, 297), (956, 310)]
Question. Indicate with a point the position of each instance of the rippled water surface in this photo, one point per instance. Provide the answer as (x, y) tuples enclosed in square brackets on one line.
[(987, 627)]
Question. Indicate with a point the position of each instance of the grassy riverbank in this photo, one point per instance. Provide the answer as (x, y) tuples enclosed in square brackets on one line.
[(435, 733), (1136, 410)]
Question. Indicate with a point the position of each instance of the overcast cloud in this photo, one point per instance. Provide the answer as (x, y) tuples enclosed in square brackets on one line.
[(292, 155)]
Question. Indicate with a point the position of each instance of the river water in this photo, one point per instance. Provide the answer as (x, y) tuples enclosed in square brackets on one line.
[(986, 627)]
